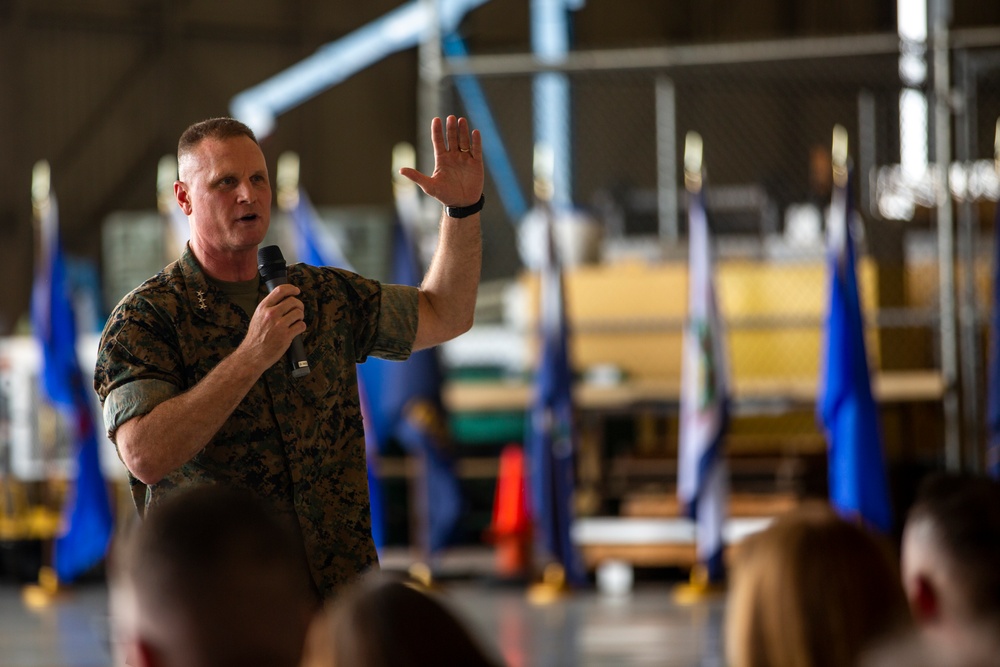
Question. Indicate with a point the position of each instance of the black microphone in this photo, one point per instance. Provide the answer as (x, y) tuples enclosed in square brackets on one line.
[(271, 265)]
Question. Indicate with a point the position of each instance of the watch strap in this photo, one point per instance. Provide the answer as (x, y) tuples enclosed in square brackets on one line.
[(465, 211)]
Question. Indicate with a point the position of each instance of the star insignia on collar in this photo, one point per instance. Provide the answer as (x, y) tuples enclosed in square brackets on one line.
[(201, 300)]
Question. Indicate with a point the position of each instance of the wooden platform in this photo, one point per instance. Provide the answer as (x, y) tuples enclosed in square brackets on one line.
[(650, 531), (888, 387), (650, 542)]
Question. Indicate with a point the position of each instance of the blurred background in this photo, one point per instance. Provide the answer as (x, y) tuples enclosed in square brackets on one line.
[(102, 91)]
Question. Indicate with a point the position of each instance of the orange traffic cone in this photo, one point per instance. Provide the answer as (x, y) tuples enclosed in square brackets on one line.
[(510, 531)]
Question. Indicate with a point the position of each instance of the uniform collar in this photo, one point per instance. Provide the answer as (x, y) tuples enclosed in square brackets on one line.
[(207, 301)]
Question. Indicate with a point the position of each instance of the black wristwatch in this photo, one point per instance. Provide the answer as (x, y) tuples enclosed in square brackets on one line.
[(465, 211)]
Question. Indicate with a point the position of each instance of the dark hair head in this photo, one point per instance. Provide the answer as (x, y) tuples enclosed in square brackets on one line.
[(213, 128), (963, 511), (384, 622), (214, 565)]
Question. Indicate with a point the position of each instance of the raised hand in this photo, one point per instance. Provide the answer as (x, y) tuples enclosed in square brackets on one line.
[(458, 164)]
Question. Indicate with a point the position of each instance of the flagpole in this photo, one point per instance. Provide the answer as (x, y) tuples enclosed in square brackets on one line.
[(48, 583), (858, 485), (41, 205), (991, 458), (946, 234), (702, 474), (86, 515)]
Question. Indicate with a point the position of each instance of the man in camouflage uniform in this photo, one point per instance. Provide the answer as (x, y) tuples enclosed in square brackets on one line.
[(191, 369)]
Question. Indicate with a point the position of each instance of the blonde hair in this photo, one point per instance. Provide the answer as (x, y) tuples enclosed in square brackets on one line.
[(812, 590)]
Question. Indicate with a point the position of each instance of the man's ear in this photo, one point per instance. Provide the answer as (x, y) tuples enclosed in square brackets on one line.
[(183, 197), (924, 601), (139, 653)]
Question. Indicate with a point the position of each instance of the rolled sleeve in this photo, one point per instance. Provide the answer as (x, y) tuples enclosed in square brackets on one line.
[(134, 399), (397, 322)]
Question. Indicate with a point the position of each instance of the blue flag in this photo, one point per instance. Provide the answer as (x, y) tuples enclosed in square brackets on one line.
[(550, 441), (87, 518), (409, 408), (847, 409), (993, 397), (315, 247), (702, 476)]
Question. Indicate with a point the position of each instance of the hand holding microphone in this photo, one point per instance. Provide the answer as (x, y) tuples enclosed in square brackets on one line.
[(273, 272)]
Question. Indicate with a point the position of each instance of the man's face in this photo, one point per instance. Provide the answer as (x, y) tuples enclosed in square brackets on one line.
[(225, 192)]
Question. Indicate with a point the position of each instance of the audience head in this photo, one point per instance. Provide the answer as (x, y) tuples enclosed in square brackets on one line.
[(951, 559), (811, 590), (211, 578), (383, 622)]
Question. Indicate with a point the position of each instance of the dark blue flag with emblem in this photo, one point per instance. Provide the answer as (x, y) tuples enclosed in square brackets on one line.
[(315, 247), (702, 474), (993, 397), (550, 441), (87, 518), (847, 409), (409, 409)]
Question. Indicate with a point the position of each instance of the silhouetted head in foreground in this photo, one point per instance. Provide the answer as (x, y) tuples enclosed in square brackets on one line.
[(951, 563), (211, 578), (382, 622)]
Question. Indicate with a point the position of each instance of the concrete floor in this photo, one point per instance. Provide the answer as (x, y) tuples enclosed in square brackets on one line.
[(644, 627)]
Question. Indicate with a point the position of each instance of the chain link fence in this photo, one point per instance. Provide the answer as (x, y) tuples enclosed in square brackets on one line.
[(766, 121)]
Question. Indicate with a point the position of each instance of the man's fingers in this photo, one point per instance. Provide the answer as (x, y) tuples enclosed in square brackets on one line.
[(437, 136), (280, 292), (291, 306), (417, 177), (452, 128), (477, 144)]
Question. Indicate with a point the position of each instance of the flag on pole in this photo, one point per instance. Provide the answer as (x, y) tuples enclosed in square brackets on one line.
[(409, 408), (847, 409), (550, 442), (993, 398), (702, 475), (87, 517)]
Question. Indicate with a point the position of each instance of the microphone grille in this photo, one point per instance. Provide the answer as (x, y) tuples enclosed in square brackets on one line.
[(270, 255)]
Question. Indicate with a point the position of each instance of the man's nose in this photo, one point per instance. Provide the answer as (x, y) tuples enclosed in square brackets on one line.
[(245, 192)]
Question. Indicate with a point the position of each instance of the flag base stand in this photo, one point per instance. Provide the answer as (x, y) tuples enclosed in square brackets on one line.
[(699, 589), (42, 594), (551, 588), (422, 575)]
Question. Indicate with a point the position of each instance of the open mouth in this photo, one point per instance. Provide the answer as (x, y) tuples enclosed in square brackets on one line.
[(249, 217)]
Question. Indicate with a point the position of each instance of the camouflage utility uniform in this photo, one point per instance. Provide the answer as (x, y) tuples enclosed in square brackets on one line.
[(298, 443)]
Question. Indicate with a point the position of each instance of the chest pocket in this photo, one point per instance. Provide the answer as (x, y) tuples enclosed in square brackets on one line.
[(331, 378)]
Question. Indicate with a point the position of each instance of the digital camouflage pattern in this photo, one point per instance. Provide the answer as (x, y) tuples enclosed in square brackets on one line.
[(298, 443)]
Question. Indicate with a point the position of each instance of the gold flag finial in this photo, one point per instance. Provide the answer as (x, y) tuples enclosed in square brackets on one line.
[(403, 155), (41, 184), (693, 161), (544, 167), (287, 178), (166, 175), (838, 155)]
